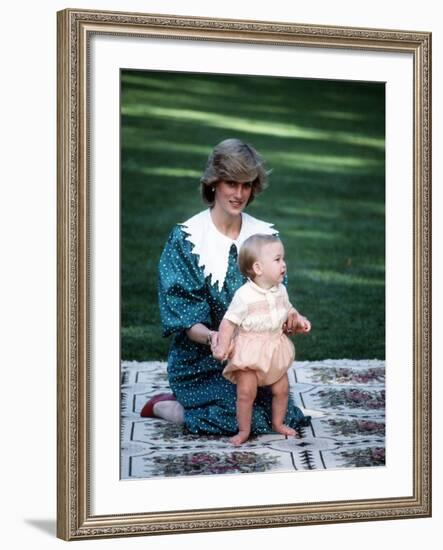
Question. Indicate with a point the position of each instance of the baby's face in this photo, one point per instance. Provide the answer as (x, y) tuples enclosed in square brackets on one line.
[(272, 262)]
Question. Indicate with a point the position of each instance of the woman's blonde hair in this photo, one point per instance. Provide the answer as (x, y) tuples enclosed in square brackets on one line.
[(233, 160), (250, 252)]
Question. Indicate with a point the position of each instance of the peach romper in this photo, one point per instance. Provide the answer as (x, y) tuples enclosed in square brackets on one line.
[(260, 343)]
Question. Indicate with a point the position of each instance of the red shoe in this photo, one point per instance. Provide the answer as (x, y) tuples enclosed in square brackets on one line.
[(148, 409)]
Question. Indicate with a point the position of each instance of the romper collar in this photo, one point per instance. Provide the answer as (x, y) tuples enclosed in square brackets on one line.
[(213, 247), (261, 290)]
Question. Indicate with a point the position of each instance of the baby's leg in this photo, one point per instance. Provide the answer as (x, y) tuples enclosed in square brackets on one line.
[(280, 391), (246, 393)]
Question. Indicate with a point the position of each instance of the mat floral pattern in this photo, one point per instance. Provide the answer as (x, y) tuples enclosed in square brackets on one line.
[(346, 399)]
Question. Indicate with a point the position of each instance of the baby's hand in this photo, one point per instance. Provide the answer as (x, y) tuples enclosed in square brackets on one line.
[(303, 325), (290, 325)]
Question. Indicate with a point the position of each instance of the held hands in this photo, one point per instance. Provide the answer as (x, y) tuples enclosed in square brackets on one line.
[(213, 340), (220, 352), (296, 323), (222, 344)]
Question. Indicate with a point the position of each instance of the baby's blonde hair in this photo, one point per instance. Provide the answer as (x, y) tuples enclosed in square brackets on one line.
[(250, 252)]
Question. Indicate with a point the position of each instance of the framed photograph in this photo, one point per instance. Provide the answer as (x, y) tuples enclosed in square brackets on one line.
[(340, 122)]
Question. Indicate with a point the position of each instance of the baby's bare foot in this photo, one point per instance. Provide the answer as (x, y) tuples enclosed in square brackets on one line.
[(283, 429), (240, 438)]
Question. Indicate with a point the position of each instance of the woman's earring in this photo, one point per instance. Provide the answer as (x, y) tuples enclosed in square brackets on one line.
[(213, 189)]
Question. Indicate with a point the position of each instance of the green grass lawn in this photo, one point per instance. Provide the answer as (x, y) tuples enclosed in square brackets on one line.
[(323, 140)]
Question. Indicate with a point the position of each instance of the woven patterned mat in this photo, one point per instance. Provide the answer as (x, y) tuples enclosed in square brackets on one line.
[(346, 399)]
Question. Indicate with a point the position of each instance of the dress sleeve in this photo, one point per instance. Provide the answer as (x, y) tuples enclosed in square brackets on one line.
[(182, 294), (237, 309)]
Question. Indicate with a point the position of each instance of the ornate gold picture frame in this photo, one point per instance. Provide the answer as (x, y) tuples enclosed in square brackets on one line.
[(77, 518)]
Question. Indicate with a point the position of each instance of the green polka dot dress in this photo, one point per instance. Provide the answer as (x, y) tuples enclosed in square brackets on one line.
[(186, 297)]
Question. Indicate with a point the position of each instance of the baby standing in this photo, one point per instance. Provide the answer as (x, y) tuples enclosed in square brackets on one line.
[(251, 333)]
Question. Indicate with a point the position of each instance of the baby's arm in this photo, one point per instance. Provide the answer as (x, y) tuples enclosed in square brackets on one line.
[(225, 333), (295, 322)]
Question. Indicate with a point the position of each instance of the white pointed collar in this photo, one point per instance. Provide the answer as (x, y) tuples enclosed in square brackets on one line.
[(212, 247)]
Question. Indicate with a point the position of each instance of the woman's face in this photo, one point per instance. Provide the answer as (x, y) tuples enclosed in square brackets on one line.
[(232, 196)]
